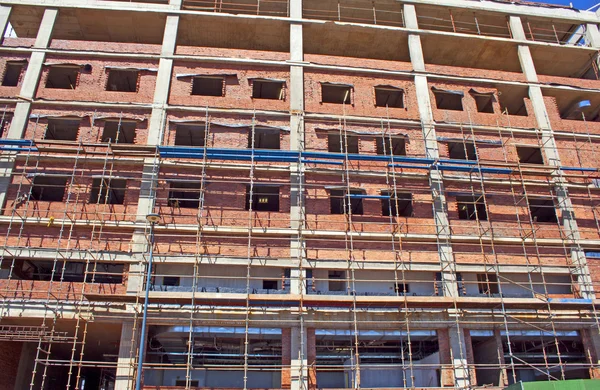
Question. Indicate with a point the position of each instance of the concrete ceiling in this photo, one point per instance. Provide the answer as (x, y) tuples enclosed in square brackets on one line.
[(568, 61), (234, 33), (470, 52), (93, 25), (355, 41)]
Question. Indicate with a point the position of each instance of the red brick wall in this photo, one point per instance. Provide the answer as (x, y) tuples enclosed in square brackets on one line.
[(10, 353), (286, 358)]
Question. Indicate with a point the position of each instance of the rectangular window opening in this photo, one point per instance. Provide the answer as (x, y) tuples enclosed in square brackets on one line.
[(400, 206), (402, 288), (339, 202), (337, 281), (121, 132), (264, 198), (397, 146), (208, 86), (12, 74), (62, 77), (108, 191), (471, 208), (337, 94), (62, 129), (171, 281), (264, 139), (484, 102), (487, 283), (445, 100), (542, 210), (48, 188), (266, 89), (530, 155), (337, 143), (185, 195), (462, 151), (71, 271), (122, 80), (190, 135), (389, 97), (182, 383), (270, 284)]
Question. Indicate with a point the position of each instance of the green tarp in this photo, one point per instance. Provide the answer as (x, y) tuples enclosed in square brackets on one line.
[(578, 384)]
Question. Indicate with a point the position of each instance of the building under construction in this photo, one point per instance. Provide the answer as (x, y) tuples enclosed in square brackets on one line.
[(298, 194)]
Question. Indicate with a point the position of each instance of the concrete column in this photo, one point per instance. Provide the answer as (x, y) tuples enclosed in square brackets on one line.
[(163, 81), (4, 19), (453, 358), (126, 362), (579, 262), (32, 75), (31, 80), (298, 359), (592, 35), (591, 345), (298, 336), (436, 180)]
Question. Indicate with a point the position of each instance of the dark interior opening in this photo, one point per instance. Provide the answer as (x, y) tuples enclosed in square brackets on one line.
[(62, 77), (62, 129), (337, 143), (70, 271), (338, 202), (484, 102), (471, 208), (389, 97), (190, 134), (122, 80), (530, 155), (542, 210), (487, 284), (270, 284), (208, 86), (264, 198), (12, 74), (399, 206), (171, 281), (267, 89), (462, 151), (448, 100), (337, 94), (264, 138), (184, 194), (49, 188), (402, 288), (397, 147), (337, 281), (121, 132), (108, 191)]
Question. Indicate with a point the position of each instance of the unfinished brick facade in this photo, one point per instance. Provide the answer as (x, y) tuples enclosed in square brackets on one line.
[(298, 194)]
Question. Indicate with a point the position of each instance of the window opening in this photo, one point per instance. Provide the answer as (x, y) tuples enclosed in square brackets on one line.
[(403, 201), (190, 135), (471, 208), (337, 144), (389, 97), (448, 100), (12, 74), (264, 198), (48, 188), (268, 89), (62, 129), (382, 146), (530, 155), (122, 132), (337, 94), (542, 210), (208, 86), (108, 191), (62, 77), (122, 80), (264, 138), (184, 195), (338, 200), (462, 151)]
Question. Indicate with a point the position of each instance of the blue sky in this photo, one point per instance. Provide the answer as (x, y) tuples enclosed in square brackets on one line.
[(579, 4)]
